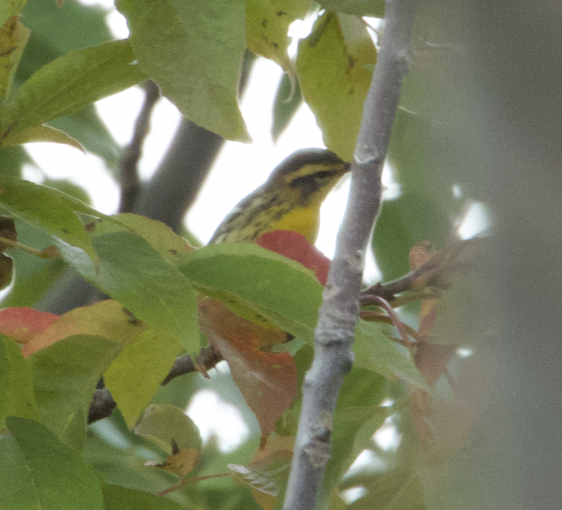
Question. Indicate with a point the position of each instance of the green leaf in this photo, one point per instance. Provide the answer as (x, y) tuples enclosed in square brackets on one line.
[(10, 8), (358, 415), (38, 471), (161, 237), (285, 105), (135, 374), (65, 377), (54, 32), (373, 8), (87, 127), (403, 223), (394, 491), (12, 160), (13, 38), (248, 276), (193, 51), (68, 84), (332, 65), (422, 151), (42, 133), (34, 276), (16, 383), (376, 352), (116, 497), (135, 274), (58, 30), (163, 422), (49, 210)]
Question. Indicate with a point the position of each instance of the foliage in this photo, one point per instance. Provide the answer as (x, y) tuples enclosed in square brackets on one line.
[(167, 298)]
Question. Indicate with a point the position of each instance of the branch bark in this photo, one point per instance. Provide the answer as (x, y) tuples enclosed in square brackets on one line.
[(334, 334)]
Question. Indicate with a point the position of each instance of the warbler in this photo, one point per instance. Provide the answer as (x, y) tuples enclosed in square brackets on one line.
[(290, 199)]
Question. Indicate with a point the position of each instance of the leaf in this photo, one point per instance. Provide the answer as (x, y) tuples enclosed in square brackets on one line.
[(16, 384), (193, 51), (161, 237), (135, 374), (108, 319), (395, 491), (42, 133), (242, 276), (374, 8), (287, 100), (266, 32), (267, 473), (116, 497), (333, 73), (135, 274), (50, 210), (57, 31), (33, 275), (267, 24), (266, 379), (65, 376), (23, 324), (87, 127), (403, 223), (374, 351), (13, 38), (38, 471), (358, 415), (164, 423), (180, 463), (11, 8), (68, 84)]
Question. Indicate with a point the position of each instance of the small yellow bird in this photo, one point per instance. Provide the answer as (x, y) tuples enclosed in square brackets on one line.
[(289, 200)]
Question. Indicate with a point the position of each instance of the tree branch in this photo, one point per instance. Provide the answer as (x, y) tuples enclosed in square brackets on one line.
[(338, 315), (130, 182)]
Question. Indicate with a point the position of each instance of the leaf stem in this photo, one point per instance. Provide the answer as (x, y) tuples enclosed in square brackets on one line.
[(42, 254)]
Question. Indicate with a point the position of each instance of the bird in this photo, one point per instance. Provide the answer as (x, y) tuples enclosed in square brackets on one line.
[(290, 199)]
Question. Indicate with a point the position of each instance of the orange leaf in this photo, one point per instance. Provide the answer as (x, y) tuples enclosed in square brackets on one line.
[(294, 246), (420, 254), (432, 360), (267, 380), (23, 324)]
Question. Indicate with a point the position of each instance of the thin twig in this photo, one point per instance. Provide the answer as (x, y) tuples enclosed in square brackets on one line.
[(130, 182), (195, 479), (47, 253), (377, 300), (102, 403), (456, 256)]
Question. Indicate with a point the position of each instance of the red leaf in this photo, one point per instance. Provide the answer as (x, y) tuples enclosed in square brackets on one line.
[(267, 380), (294, 246), (23, 324)]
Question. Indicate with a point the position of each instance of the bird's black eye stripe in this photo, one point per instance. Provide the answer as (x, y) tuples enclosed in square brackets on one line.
[(299, 182), (322, 175)]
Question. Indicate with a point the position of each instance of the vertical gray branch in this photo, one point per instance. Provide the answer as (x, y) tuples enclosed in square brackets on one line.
[(338, 315)]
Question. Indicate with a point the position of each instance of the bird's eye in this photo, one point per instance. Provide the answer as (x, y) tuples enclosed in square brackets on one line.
[(310, 179), (323, 174)]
